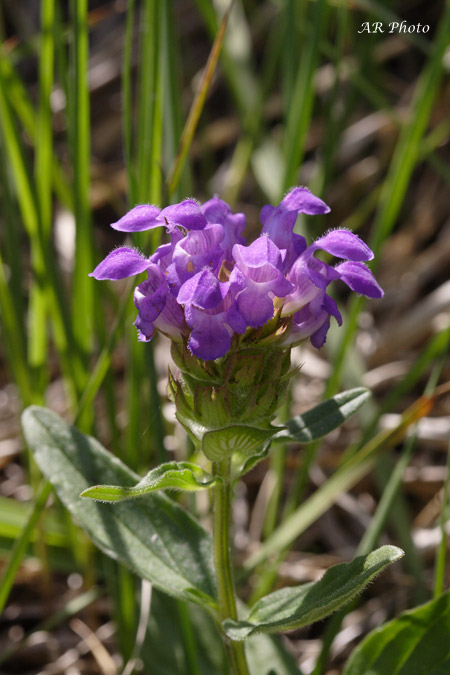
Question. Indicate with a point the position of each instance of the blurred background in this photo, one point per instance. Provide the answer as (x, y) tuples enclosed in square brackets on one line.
[(94, 97)]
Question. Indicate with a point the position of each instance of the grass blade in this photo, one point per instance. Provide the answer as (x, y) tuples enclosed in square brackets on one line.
[(407, 151), (196, 107), (26, 197), (22, 542), (149, 106), (23, 108), (173, 105), (44, 150), (299, 118), (440, 569), (83, 289), (14, 339), (344, 478), (127, 102)]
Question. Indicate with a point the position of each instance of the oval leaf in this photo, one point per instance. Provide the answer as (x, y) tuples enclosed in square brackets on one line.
[(291, 608), (155, 537), (325, 417), (414, 643), (170, 476)]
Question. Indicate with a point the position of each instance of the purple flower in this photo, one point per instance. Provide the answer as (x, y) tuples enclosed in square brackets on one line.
[(313, 321), (198, 249), (120, 264), (257, 278), (203, 290), (310, 277), (157, 308), (279, 221), (164, 253), (211, 313), (205, 286), (359, 278), (142, 217), (218, 211), (212, 329), (186, 214), (343, 244)]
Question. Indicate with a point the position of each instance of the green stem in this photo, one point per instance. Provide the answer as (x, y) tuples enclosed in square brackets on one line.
[(222, 563)]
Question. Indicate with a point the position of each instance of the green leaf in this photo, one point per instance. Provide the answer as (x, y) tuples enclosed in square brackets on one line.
[(220, 443), (155, 537), (325, 417), (415, 643), (170, 476), (291, 608)]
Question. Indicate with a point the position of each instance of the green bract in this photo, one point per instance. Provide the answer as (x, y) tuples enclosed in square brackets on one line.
[(228, 405)]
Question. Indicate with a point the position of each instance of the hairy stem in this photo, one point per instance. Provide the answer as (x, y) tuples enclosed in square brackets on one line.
[(222, 563)]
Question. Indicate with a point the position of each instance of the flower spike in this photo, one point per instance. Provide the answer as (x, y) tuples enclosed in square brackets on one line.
[(206, 287)]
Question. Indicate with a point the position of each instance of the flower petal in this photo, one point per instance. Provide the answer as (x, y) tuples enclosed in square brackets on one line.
[(329, 304), (306, 322), (203, 290), (146, 332), (304, 288), (187, 214), (164, 252), (300, 199), (142, 217), (209, 339), (156, 307), (218, 211), (234, 319), (319, 337), (149, 303), (171, 320), (255, 305), (360, 279), (197, 250), (320, 273), (120, 264), (278, 224), (260, 253), (343, 244)]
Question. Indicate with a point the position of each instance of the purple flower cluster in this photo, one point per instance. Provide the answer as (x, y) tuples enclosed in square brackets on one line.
[(206, 284)]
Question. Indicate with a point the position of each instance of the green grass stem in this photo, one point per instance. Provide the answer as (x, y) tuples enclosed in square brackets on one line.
[(148, 157), (441, 557), (196, 108), (387, 505), (301, 105), (79, 117), (343, 479), (14, 340), (127, 102), (22, 542)]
